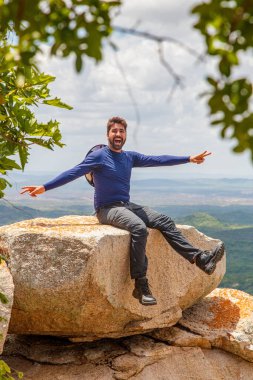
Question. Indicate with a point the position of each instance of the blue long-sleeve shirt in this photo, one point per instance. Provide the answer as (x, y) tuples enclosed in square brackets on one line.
[(112, 173)]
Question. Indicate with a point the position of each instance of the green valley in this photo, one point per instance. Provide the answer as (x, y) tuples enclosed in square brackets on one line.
[(238, 239), (222, 209)]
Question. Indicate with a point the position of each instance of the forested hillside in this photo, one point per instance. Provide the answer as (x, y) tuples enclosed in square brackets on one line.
[(238, 239)]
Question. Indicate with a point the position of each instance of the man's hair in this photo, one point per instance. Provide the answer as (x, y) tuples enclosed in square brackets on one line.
[(116, 120)]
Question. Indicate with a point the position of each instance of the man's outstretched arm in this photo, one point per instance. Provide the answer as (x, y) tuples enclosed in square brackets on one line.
[(142, 160), (90, 163)]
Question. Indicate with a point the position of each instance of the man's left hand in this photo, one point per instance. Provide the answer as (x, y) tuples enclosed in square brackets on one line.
[(199, 158)]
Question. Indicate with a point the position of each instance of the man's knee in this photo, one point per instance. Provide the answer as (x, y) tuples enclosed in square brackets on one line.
[(164, 221), (139, 230)]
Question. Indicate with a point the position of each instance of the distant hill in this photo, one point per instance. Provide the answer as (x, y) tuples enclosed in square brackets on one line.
[(202, 219), (158, 191), (227, 214), (11, 214)]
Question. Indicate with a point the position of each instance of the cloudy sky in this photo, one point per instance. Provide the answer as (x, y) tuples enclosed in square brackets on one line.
[(177, 127)]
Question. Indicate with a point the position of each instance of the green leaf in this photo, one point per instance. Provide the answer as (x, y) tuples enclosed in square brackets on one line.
[(56, 102), (216, 103), (42, 79), (23, 156), (233, 58), (217, 121), (4, 183), (239, 148), (4, 366), (212, 81), (2, 99), (224, 66), (79, 63), (8, 164)]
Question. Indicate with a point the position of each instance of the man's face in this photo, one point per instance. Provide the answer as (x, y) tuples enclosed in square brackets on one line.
[(116, 137)]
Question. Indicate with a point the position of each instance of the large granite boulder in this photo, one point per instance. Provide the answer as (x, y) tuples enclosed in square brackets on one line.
[(71, 278), (6, 300)]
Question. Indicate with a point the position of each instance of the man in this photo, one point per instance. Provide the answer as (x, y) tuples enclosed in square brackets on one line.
[(111, 168)]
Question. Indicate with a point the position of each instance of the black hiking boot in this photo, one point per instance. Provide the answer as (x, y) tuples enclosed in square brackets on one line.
[(143, 293), (207, 260)]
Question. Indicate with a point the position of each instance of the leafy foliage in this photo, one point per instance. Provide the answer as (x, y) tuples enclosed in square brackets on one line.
[(68, 27), (74, 27), (78, 27), (227, 28), (6, 373), (21, 90)]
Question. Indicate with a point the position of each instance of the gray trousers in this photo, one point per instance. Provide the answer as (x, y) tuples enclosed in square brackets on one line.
[(136, 219)]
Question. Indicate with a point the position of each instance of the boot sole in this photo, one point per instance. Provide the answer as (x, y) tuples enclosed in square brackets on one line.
[(135, 295), (211, 266)]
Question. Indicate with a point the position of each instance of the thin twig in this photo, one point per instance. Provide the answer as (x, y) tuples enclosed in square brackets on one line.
[(12, 140), (130, 93), (17, 208), (168, 67), (178, 80)]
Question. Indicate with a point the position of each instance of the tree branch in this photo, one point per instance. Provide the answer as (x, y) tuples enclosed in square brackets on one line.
[(178, 80), (153, 37)]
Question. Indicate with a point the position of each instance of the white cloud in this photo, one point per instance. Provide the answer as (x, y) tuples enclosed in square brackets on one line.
[(179, 127)]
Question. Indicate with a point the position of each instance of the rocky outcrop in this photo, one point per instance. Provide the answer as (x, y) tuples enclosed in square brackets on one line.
[(223, 319), (71, 278), (138, 358), (6, 300)]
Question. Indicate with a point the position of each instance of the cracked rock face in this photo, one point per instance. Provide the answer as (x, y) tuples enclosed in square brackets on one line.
[(223, 319), (6, 299), (71, 278), (138, 357)]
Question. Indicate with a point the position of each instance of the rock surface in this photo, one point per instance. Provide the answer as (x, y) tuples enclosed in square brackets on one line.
[(138, 357), (223, 319), (6, 300), (71, 278)]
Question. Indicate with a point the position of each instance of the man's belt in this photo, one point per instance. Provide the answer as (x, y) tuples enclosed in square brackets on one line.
[(114, 204)]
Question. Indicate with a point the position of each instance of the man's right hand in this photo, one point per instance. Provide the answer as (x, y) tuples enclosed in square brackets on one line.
[(33, 190)]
